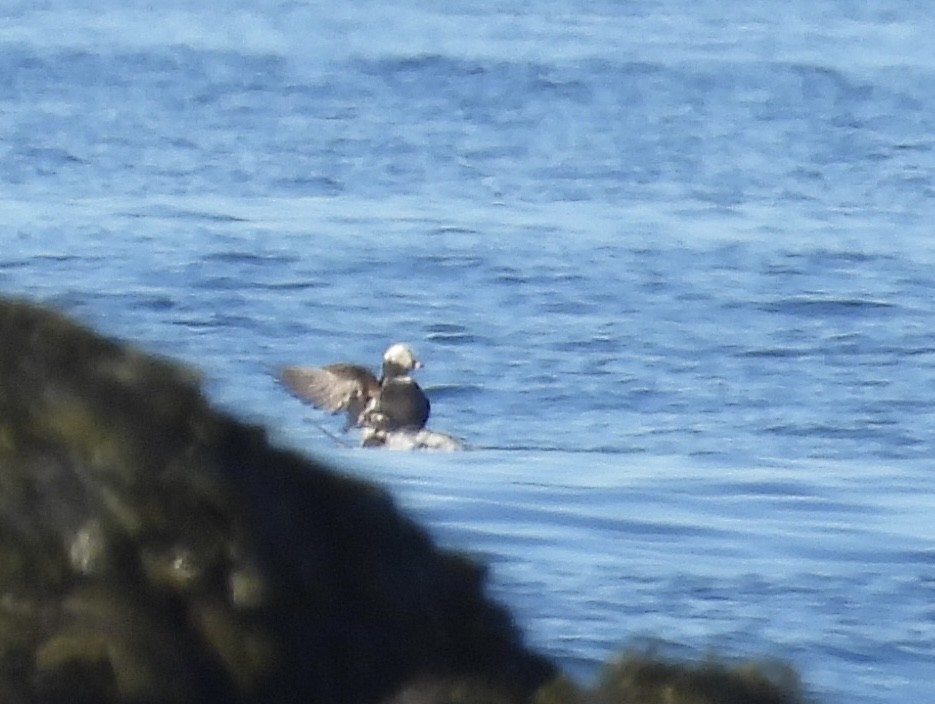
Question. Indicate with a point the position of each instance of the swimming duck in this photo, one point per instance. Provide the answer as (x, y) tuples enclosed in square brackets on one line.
[(392, 402)]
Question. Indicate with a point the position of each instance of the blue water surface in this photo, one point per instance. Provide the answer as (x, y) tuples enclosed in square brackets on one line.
[(669, 267)]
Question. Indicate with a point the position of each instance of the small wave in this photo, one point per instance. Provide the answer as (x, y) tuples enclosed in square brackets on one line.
[(452, 338), (304, 285), (773, 353), (452, 390), (169, 212), (820, 306), (245, 257)]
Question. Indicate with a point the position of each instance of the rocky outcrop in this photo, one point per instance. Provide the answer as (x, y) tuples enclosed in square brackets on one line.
[(155, 550), (635, 679)]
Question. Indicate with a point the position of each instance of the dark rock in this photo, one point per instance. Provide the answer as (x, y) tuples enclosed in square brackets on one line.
[(635, 679), (651, 680), (155, 550)]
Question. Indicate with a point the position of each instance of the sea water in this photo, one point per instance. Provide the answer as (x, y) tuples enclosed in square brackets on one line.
[(669, 267)]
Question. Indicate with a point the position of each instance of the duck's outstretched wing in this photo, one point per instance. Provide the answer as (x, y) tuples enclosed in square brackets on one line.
[(336, 388)]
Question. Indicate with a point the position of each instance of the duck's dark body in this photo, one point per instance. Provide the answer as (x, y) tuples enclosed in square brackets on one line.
[(400, 404)]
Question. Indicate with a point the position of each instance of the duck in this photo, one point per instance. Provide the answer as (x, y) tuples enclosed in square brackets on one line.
[(393, 402)]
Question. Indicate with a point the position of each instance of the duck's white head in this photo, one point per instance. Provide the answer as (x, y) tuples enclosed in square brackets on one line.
[(398, 360)]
